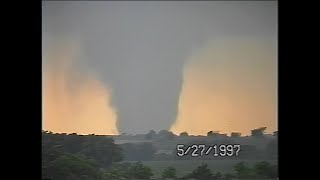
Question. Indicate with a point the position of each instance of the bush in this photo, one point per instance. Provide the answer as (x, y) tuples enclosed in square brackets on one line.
[(202, 172), (243, 171), (139, 171), (169, 172)]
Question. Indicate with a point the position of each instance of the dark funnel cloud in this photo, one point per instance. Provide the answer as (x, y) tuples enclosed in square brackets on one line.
[(138, 49), (140, 53)]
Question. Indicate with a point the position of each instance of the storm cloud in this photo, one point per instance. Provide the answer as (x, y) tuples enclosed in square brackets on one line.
[(139, 49)]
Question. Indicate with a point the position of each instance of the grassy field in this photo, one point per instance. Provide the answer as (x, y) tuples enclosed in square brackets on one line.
[(184, 167)]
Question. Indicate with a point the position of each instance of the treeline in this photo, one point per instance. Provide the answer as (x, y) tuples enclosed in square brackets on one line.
[(261, 170), (72, 156), (87, 157), (125, 171), (84, 157), (162, 148), (169, 135)]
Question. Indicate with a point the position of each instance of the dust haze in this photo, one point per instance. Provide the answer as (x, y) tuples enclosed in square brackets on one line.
[(74, 101)]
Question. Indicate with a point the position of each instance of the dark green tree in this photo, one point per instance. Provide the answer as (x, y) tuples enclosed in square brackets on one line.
[(242, 171), (264, 169), (184, 134), (201, 172), (70, 167), (166, 135), (102, 149), (169, 172), (119, 171), (235, 134), (213, 133), (140, 171), (258, 132)]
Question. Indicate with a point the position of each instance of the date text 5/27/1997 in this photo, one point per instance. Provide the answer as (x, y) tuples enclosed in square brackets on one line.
[(195, 150)]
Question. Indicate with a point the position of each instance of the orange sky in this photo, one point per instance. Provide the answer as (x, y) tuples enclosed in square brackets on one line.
[(229, 86), (74, 101)]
